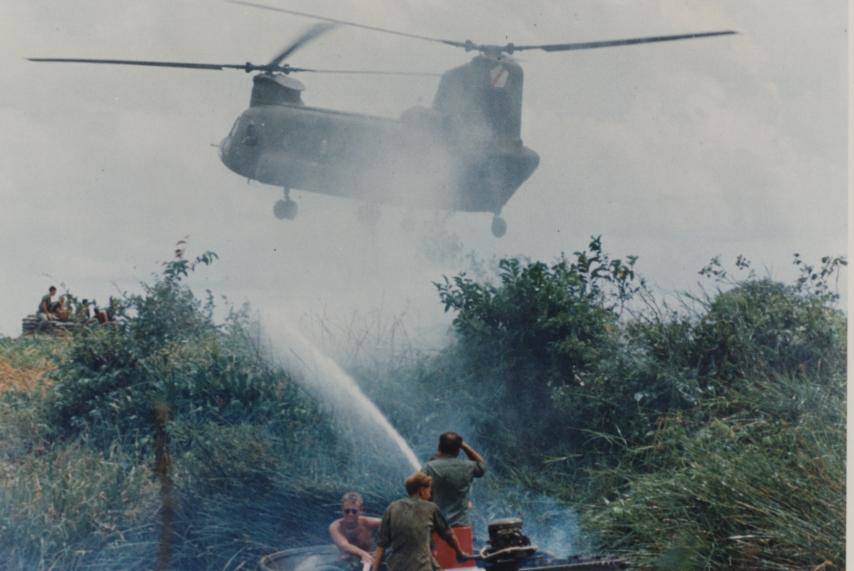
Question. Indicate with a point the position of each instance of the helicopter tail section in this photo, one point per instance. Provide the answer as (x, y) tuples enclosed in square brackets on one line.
[(483, 99), (493, 179)]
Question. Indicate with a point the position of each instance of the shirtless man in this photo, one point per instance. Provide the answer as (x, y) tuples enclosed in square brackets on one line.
[(354, 533)]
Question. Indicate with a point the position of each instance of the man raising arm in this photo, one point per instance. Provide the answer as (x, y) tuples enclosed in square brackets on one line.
[(452, 481), (452, 477)]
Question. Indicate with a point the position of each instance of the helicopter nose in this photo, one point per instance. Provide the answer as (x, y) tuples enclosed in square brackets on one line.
[(224, 147)]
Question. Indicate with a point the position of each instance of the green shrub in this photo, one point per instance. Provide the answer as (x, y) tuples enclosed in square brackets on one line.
[(165, 349), (767, 327), (524, 344)]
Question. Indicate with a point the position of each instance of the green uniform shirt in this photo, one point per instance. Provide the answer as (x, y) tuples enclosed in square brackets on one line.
[(452, 479), (82, 313), (44, 303), (405, 533)]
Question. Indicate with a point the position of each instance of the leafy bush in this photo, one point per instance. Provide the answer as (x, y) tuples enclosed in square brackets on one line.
[(541, 330), (767, 327)]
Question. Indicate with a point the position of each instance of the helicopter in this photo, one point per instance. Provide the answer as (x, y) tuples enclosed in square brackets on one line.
[(464, 153)]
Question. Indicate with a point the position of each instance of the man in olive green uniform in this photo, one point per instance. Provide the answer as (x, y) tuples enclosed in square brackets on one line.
[(81, 314), (452, 477), (46, 305), (406, 527)]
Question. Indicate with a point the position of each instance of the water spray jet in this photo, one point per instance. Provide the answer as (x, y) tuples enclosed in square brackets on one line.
[(323, 377)]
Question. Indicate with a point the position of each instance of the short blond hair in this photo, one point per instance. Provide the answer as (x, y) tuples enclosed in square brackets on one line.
[(417, 481), (353, 498)]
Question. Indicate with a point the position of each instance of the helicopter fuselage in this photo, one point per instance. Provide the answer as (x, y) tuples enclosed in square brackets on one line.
[(421, 160), (463, 153)]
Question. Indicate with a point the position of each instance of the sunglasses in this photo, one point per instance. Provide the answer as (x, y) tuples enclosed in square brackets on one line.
[(351, 511)]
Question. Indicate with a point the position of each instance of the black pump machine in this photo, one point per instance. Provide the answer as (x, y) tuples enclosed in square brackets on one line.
[(507, 546)]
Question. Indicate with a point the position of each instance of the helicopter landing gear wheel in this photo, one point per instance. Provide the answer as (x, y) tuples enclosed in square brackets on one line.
[(285, 209), (369, 213), (499, 226)]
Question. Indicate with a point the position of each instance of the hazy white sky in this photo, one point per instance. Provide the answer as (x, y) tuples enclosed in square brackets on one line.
[(675, 152)]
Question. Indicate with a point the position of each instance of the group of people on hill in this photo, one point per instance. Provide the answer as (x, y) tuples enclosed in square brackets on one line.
[(429, 529), (53, 307)]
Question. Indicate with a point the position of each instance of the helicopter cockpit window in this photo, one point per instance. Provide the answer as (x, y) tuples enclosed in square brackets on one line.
[(250, 136), (234, 128)]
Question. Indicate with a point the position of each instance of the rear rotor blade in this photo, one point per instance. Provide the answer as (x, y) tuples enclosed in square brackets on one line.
[(351, 24), (179, 64), (613, 43), (310, 34)]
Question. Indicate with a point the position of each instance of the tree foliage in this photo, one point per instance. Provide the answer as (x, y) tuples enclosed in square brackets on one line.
[(164, 347)]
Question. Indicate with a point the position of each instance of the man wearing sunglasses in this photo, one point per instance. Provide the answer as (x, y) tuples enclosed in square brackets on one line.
[(354, 533)]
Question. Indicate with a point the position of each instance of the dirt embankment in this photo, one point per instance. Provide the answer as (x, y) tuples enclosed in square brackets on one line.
[(18, 379), (24, 363)]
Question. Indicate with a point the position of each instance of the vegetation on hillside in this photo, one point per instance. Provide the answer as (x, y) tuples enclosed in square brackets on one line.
[(162, 437), (704, 433)]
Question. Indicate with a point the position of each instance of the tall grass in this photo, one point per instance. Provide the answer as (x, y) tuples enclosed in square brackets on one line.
[(762, 487), (63, 506)]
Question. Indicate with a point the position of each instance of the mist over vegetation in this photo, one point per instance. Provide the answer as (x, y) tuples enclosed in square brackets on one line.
[(705, 431)]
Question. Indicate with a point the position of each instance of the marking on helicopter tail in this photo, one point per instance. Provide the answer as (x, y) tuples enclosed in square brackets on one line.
[(498, 75)]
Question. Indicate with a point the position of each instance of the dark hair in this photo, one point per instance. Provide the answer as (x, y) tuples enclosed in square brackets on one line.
[(417, 481), (450, 443), (51, 288)]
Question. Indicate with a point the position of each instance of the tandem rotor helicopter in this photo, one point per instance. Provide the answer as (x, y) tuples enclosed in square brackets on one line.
[(465, 153)]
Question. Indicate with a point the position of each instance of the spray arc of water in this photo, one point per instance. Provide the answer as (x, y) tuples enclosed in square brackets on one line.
[(321, 375)]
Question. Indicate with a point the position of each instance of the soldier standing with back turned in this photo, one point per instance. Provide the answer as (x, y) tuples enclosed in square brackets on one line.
[(452, 478), (406, 527)]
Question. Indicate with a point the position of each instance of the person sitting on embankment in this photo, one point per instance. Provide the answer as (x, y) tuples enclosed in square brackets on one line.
[(353, 533), (81, 314), (45, 310)]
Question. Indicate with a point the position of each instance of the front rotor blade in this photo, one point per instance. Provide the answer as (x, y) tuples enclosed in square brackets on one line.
[(365, 72), (310, 34), (624, 42), (351, 24), (180, 64)]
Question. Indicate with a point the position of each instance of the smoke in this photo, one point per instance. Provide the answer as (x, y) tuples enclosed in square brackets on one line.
[(551, 525)]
